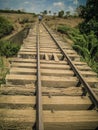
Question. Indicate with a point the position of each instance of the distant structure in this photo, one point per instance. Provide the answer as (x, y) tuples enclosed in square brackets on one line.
[(40, 18)]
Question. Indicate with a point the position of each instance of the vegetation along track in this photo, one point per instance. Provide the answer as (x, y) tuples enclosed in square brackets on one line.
[(48, 87)]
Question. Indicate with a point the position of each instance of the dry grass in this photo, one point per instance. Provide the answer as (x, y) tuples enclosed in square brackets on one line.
[(54, 23), (72, 22), (13, 17)]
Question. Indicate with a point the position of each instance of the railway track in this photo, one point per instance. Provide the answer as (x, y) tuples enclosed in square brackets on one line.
[(48, 87)]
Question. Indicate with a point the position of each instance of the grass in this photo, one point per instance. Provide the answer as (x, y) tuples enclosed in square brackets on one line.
[(85, 45), (70, 22)]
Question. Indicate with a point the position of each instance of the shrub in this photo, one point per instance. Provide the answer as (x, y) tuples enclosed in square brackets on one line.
[(61, 13), (5, 27), (87, 47), (8, 49), (86, 27), (85, 44), (90, 14), (63, 29)]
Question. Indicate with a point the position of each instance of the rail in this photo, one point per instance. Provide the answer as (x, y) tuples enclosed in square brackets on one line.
[(88, 89), (39, 117)]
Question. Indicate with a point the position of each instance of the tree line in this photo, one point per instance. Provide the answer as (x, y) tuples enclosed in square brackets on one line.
[(60, 14), (11, 11)]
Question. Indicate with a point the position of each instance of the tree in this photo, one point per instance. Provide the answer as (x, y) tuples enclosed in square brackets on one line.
[(45, 12), (68, 13), (79, 10), (49, 11), (61, 13), (91, 9), (54, 15), (90, 15), (19, 11)]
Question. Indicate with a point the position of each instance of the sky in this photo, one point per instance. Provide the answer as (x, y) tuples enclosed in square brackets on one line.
[(37, 6)]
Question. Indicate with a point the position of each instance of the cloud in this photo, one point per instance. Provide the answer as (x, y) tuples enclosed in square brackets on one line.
[(40, 5), (26, 2), (75, 2), (58, 4), (71, 9)]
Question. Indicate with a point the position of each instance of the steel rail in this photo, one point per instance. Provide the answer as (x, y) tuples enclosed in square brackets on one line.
[(39, 117), (92, 95)]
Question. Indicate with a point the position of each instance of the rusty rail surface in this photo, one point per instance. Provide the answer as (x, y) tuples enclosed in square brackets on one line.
[(82, 81), (39, 117)]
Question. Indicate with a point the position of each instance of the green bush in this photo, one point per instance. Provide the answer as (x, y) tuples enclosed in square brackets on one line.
[(89, 42), (5, 27), (87, 47), (63, 29), (8, 49), (85, 44)]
